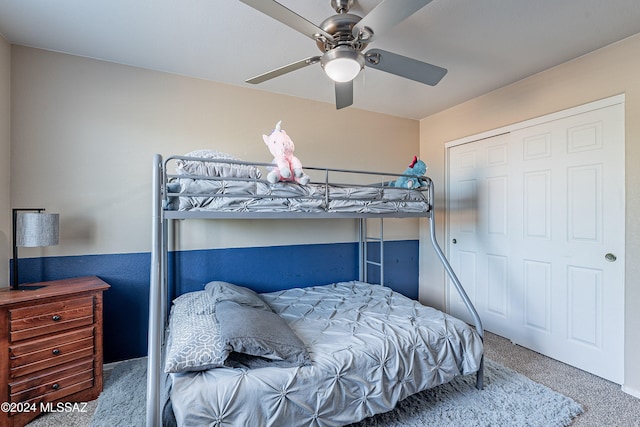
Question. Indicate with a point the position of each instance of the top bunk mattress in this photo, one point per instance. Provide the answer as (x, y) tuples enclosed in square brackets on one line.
[(261, 196)]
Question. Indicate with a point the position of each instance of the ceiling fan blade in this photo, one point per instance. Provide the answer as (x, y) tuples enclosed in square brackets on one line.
[(289, 18), (384, 16), (283, 70), (404, 67), (344, 94)]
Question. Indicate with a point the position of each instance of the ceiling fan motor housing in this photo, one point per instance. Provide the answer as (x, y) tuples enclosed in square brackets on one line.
[(341, 28)]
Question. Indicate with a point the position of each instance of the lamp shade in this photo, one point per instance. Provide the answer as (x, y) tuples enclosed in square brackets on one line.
[(34, 229)]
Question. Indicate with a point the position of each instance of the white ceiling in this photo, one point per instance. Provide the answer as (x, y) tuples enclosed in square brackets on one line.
[(484, 44)]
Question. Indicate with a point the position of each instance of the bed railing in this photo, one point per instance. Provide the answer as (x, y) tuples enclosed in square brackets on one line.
[(156, 323), (158, 280), (327, 172), (456, 283)]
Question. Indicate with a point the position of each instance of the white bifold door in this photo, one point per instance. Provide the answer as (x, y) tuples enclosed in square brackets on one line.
[(536, 234)]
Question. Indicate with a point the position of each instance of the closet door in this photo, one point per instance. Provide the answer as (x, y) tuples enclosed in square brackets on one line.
[(537, 236), (479, 208)]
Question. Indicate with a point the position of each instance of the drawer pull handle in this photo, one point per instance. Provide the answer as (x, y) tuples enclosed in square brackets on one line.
[(55, 386), (56, 317), (56, 351)]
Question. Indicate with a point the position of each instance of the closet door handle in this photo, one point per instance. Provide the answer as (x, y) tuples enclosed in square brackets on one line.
[(610, 257), (454, 241)]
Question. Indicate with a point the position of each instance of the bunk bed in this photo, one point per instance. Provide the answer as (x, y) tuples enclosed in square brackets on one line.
[(361, 347)]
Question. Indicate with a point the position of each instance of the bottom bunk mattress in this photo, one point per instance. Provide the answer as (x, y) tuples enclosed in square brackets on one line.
[(366, 347)]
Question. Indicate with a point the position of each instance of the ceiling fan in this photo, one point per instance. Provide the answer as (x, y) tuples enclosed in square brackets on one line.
[(342, 38)]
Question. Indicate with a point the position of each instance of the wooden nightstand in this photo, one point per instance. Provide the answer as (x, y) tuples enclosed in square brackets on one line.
[(50, 347)]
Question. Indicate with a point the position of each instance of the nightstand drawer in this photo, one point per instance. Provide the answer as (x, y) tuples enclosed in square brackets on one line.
[(34, 355), (29, 322), (62, 381)]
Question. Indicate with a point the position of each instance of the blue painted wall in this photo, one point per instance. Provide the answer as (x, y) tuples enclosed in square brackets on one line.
[(263, 269)]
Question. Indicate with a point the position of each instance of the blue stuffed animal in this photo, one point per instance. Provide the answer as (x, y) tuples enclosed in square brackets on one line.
[(417, 168)]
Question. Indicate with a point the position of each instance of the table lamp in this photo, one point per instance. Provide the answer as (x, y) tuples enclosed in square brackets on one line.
[(32, 228)]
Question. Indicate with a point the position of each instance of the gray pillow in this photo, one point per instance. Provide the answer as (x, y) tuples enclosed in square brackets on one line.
[(224, 291), (215, 168), (194, 342), (199, 339), (258, 332)]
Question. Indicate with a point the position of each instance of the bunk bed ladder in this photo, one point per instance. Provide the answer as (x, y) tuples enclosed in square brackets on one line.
[(364, 239)]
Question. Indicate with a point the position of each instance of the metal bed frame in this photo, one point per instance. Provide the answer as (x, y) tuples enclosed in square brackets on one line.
[(158, 291)]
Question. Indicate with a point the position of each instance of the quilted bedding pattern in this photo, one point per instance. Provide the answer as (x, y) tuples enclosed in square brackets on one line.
[(261, 196), (370, 347)]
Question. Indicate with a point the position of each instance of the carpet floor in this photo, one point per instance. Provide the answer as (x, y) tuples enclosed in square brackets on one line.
[(603, 402)]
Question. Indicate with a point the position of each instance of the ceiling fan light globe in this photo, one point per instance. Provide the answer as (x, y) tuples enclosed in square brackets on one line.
[(342, 69), (342, 64)]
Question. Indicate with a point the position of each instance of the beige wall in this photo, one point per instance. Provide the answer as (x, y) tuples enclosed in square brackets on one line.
[(5, 159), (606, 72), (84, 133)]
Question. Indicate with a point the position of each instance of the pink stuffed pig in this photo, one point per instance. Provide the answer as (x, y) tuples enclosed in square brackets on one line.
[(289, 167)]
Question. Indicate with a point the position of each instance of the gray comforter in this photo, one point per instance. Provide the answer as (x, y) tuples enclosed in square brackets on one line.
[(260, 196), (369, 347)]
